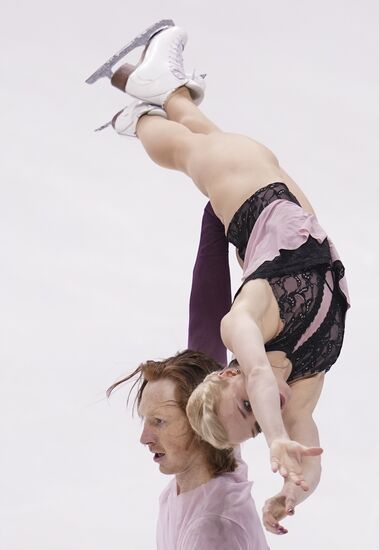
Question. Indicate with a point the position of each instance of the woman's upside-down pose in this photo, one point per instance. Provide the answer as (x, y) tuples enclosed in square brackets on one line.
[(286, 324)]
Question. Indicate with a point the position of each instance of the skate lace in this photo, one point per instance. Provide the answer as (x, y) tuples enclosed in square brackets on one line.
[(176, 58)]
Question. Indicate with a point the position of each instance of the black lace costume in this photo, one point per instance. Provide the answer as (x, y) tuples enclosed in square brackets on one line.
[(298, 281)]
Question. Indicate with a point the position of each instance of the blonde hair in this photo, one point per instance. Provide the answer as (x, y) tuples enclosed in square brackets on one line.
[(202, 412)]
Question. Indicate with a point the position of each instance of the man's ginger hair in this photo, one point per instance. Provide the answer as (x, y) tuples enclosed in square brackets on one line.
[(187, 370)]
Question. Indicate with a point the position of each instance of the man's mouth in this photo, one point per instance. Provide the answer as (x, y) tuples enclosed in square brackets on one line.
[(158, 457)]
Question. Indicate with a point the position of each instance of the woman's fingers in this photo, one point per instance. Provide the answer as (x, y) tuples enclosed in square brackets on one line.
[(298, 478), (312, 451), (287, 460), (274, 464), (304, 485)]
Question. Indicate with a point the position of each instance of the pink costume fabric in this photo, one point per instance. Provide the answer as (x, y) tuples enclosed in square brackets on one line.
[(218, 515), (284, 225)]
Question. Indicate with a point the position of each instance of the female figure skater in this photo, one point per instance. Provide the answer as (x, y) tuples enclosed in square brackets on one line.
[(286, 325)]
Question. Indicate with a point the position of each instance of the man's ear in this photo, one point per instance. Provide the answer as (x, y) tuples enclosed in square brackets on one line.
[(229, 372)]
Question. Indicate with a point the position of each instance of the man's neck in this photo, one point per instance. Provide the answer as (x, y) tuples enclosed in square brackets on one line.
[(196, 475)]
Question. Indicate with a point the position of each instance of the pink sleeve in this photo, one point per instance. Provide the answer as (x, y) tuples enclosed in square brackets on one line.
[(215, 533)]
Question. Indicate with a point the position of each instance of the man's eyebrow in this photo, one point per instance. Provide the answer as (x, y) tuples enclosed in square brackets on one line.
[(168, 403)]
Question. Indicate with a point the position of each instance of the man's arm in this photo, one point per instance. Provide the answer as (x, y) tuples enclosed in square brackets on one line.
[(210, 296)]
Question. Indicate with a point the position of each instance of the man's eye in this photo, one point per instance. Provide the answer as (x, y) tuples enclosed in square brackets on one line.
[(246, 405), (158, 421)]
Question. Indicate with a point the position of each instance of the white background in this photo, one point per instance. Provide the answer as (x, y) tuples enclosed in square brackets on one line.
[(97, 246)]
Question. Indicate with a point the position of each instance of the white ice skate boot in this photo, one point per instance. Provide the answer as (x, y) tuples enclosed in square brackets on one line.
[(160, 71), (125, 121), (105, 71), (137, 108)]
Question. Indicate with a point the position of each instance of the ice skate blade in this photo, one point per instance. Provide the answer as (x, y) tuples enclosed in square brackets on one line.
[(140, 40), (103, 126)]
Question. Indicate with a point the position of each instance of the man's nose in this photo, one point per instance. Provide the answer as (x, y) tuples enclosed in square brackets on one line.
[(147, 435)]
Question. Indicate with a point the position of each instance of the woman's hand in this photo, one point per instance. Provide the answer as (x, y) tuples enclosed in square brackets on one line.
[(286, 458), (278, 507)]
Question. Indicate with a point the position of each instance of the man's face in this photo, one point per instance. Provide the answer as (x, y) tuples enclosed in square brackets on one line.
[(166, 430)]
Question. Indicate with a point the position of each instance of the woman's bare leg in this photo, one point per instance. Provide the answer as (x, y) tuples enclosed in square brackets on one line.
[(179, 144), (225, 167), (228, 168), (175, 143), (169, 143), (180, 108)]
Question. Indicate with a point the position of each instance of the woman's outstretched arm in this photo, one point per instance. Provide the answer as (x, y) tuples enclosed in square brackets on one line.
[(210, 296), (243, 336)]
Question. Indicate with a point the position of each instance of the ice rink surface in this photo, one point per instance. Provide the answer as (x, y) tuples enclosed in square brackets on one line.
[(97, 246)]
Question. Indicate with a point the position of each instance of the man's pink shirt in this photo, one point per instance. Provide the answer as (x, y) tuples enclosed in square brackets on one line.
[(217, 515)]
